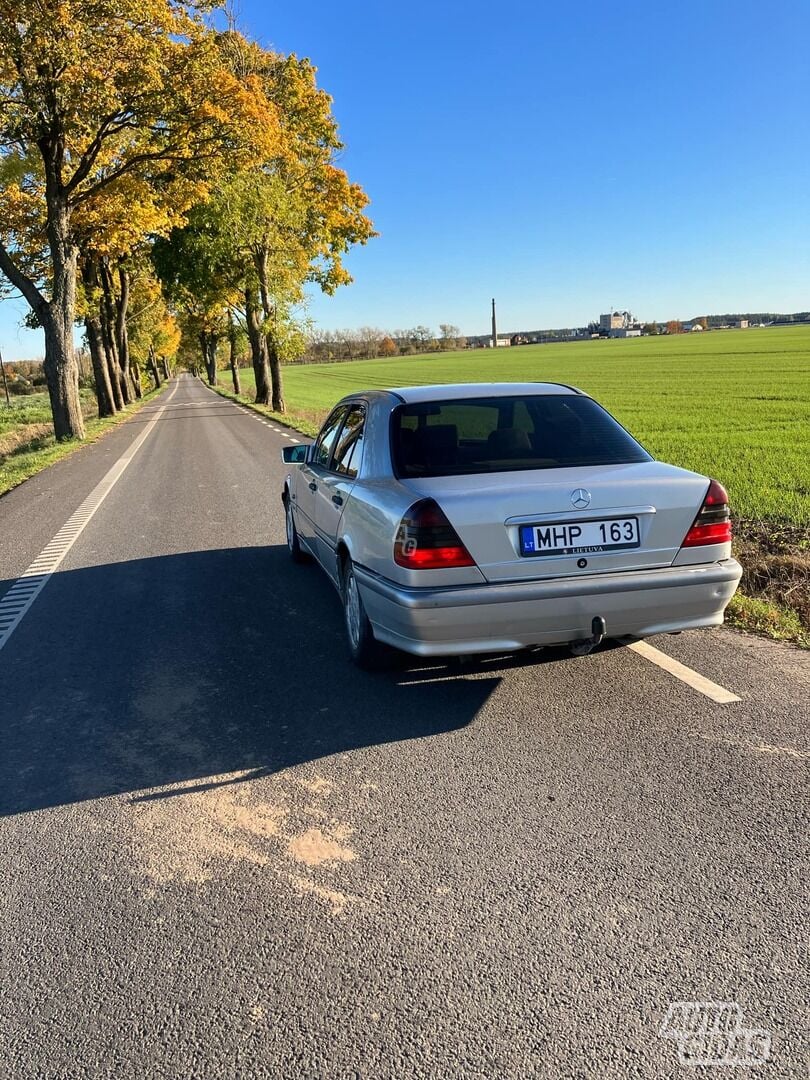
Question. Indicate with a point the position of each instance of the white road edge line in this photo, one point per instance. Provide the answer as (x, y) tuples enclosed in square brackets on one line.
[(258, 416), (698, 682), (18, 600)]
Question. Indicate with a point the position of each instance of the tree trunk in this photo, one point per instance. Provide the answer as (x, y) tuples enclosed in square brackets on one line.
[(279, 404), (212, 360), (61, 371), (276, 378), (95, 342), (115, 379), (167, 373), (208, 347), (101, 373), (258, 348), (232, 353), (56, 314), (90, 273), (108, 306), (154, 368), (122, 333), (60, 363)]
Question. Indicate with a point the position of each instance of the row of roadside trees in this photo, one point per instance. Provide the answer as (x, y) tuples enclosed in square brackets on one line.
[(166, 183), (369, 341)]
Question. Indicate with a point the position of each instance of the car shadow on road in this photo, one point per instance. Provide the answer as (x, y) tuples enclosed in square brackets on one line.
[(135, 675)]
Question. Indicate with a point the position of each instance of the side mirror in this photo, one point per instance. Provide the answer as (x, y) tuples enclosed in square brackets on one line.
[(294, 455)]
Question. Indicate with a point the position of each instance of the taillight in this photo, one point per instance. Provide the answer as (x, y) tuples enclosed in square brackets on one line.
[(713, 523), (427, 541)]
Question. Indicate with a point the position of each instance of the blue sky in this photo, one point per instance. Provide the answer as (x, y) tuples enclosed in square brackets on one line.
[(562, 158)]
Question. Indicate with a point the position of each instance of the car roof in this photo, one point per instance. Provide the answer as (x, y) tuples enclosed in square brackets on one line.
[(456, 391)]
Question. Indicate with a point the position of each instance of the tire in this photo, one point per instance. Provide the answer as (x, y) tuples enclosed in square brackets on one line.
[(297, 553), (364, 648)]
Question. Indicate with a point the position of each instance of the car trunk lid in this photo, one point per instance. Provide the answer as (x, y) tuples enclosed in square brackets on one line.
[(494, 514)]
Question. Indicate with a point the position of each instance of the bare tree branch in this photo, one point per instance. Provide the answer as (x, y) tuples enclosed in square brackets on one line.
[(21, 281)]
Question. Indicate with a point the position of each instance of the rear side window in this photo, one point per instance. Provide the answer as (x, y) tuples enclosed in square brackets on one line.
[(507, 434), (326, 439), (349, 446)]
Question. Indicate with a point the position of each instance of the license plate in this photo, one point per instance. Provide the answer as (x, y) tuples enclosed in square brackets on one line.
[(579, 537)]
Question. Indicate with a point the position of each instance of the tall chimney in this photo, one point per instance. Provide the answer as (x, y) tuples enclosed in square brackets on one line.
[(494, 327)]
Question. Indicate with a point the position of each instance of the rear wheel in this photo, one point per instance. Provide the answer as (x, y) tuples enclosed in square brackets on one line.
[(364, 649), (293, 543)]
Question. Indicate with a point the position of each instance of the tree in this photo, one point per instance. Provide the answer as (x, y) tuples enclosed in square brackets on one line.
[(100, 98), (370, 340), (299, 214), (153, 331), (449, 334), (269, 230), (651, 328), (422, 336), (674, 326), (196, 268), (388, 347)]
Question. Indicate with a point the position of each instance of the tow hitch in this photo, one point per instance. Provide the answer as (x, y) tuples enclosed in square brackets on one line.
[(584, 645)]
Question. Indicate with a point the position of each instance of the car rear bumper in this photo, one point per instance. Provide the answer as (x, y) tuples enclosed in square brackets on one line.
[(494, 617)]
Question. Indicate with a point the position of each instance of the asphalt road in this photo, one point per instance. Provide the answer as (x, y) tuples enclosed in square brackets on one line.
[(224, 852)]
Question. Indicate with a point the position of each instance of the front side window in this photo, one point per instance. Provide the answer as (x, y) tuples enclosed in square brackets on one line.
[(349, 446), (507, 434), (326, 440)]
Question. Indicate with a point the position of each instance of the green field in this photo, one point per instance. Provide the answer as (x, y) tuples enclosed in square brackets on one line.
[(734, 404)]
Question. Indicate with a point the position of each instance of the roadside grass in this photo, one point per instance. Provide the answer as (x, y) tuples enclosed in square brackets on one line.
[(757, 615), (29, 418), (31, 444), (734, 404)]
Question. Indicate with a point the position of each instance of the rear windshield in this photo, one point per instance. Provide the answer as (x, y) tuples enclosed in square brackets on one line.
[(507, 434)]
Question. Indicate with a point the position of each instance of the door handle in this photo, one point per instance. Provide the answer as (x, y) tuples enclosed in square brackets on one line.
[(313, 486), (337, 500)]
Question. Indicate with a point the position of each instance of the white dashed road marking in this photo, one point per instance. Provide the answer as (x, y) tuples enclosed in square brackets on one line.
[(685, 674), (16, 603)]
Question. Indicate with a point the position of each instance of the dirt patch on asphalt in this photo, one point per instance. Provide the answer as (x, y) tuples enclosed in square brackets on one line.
[(189, 836), (195, 833), (315, 847)]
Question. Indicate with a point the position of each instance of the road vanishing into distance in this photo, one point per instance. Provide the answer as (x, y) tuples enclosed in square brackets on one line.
[(225, 852)]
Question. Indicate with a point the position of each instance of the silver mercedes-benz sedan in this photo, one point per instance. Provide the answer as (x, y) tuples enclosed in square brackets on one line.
[(488, 517)]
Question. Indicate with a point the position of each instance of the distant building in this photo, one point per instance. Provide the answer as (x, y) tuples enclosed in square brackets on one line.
[(619, 324), (741, 324)]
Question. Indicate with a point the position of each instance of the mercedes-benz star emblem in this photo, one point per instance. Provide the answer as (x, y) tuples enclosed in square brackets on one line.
[(581, 498)]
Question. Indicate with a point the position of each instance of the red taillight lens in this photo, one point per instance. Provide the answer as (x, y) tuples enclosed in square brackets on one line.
[(427, 541), (713, 523)]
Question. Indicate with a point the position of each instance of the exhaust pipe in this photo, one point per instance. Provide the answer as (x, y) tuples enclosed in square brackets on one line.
[(585, 645)]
